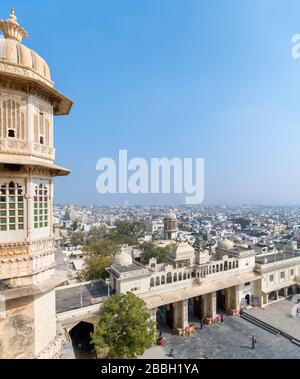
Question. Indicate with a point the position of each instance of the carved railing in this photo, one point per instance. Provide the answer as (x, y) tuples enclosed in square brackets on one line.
[(16, 147)]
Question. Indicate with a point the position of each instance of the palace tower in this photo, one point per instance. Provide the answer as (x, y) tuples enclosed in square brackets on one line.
[(28, 103)]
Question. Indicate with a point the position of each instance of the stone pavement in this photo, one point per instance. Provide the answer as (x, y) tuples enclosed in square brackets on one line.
[(279, 315), (156, 352), (231, 340)]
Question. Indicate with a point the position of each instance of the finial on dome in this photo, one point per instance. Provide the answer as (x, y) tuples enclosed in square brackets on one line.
[(11, 28)]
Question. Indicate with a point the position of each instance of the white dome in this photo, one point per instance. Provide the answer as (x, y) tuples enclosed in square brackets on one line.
[(225, 244), (12, 51), (122, 258), (182, 251), (171, 216)]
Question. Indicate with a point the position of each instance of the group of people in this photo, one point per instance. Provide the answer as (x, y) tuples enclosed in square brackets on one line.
[(219, 320)]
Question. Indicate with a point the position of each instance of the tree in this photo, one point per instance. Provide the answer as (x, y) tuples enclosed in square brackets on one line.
[(95, 268), (125, 328), (151, 251), (104, 248), (77, 237), (128, 232), (74, 226), (96, 234)]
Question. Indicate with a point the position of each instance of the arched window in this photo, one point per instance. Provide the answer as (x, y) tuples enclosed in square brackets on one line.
[(213, 269), (217, 268), (180, 276), (229, 265), (225, 266), (169, 278), (163, 280), (152, 282), (221, 267), (11, 207), (41, 206), (175, 278), (158, 281), (184, 276), (12, 120), (237, 264)]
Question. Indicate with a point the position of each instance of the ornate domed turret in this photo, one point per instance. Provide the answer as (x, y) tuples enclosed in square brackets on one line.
[(171, 226), (122, 258), (12, 51), (28, 101), (18, 61), (28, 104)]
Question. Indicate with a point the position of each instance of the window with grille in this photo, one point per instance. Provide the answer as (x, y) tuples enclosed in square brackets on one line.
[(12, 120), (42, 128), (11, 207), (41, 206)]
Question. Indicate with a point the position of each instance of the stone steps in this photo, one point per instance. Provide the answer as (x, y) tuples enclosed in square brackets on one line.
[(261, 324)]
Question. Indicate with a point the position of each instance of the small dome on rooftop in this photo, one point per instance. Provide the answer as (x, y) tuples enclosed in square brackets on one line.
[(226, 244), (122, 258)]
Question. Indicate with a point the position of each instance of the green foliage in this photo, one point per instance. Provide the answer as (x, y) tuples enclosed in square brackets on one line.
[(94, 268), (97, 234), (152, 251), (128, 232), (125, 328), (77, 237), (74, 226), (103, 248)]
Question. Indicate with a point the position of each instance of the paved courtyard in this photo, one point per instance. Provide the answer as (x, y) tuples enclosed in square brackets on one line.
[(231, 340), (279, 315), (156, 352)]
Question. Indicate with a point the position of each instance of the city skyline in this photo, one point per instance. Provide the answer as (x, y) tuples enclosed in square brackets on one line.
[(175, 79)]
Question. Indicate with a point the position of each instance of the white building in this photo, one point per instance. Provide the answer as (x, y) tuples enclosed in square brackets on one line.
[(229, 280)]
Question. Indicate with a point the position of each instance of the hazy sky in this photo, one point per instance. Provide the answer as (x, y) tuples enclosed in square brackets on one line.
[(185, 78)]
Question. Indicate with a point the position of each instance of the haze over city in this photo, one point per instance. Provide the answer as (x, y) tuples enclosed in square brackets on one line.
[(209, 79)]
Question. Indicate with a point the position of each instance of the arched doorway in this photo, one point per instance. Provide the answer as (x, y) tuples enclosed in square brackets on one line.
[(197, 307), (221, 300), (81, 338), (248, 300)]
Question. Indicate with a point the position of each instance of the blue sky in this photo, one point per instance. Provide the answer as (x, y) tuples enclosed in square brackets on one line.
[(187, 78)]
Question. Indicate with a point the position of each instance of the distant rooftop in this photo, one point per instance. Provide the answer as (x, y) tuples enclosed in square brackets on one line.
[(276, 257)]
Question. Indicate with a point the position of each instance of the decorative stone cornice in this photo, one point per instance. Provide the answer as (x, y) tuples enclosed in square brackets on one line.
[(26, 250)]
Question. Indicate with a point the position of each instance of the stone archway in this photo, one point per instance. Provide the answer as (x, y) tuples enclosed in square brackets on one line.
[(81, 336)]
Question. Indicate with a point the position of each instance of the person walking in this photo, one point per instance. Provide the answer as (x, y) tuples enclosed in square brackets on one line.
[(201, 324), (172, 354), (253, 342)]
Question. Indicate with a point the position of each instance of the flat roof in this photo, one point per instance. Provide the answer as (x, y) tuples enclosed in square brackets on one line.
[(276, 257)]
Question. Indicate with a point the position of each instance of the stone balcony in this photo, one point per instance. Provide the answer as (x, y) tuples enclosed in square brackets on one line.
[(16, 147)]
